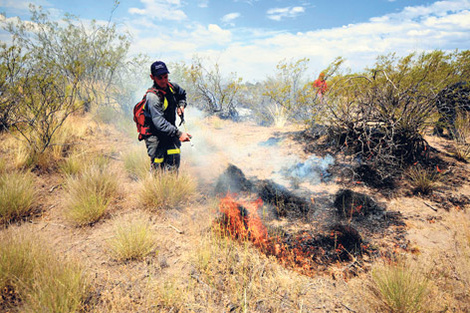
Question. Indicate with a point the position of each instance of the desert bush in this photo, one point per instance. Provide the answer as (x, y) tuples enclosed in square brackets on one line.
[(423, 180), (40, 279), (460, 143), (381, 115), (17, 195), (89, 194), (133, 238), (136, 163), (215, 93), (398, 287), (166, 190)]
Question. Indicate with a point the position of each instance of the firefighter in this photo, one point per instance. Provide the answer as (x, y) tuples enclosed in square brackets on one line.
[(163, 145), (320, 85)]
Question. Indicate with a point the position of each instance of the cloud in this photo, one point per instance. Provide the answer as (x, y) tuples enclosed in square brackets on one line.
[(278, 14), (161, 10), (228, 18), (203, 3)]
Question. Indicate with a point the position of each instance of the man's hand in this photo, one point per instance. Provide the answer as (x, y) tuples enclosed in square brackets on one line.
[(185, 137), (180, 111)]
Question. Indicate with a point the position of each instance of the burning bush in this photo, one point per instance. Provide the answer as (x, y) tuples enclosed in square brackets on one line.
[(304, 252)]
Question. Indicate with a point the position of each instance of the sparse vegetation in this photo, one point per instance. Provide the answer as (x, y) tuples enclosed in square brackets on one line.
[(166, 190), (133, 238), (89, 194), (423, 180), (399, 288), (137, 163), (17, 195), (34, 277), (63, 85)]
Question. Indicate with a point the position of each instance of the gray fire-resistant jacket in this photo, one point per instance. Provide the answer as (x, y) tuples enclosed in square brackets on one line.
[(160, 110)]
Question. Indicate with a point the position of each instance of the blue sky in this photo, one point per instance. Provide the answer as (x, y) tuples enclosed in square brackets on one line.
[(250, 37)]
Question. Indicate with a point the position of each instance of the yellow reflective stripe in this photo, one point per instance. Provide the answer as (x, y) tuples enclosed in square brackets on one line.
[(173, 151), (157, 160), (165, 104)]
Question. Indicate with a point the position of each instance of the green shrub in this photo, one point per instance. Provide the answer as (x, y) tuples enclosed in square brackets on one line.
[(17, 195)]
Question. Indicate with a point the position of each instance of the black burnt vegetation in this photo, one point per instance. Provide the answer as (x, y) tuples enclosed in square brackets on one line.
[(379, 118)]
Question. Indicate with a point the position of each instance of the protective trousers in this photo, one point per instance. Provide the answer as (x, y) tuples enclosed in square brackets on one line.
[(164, 153)]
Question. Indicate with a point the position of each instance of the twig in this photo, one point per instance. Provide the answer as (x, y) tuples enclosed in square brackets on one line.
[(430, 206), (350, 310), (177, 230)]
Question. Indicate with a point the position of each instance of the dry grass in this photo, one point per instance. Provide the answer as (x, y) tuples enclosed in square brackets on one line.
[(89, 194), (17, 195), (399, 288), (451, 266), (137, 163), (279, 115), (35, 277), (166, 190), (133, 238), (228, 276), (423, 180)]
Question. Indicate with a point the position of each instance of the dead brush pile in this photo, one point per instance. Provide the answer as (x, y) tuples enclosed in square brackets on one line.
[(380, 118)]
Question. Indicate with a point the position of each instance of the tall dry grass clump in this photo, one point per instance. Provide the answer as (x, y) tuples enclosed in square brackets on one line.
[(35, 278), (136, 163), (399, 288), (89, 194), (133, 238), (423, 180), (166, 190), (17, 195)]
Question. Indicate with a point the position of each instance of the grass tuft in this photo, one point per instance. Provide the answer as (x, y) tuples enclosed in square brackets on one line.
[(423, 180), (17, 195), (399, 288), (133, 238), (38, 278), (89, 194), (166, 190), (137, 163)]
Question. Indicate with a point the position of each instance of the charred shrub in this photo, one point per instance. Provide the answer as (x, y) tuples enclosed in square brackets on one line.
[(450, 101), (286, 203), (379, 118), (353, 204), (232, 180)]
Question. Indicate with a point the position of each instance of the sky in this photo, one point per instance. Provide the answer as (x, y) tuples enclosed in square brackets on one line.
[(250, 37)]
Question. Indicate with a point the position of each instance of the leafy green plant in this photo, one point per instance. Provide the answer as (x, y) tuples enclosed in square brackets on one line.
[(89, 194), (399, 288), (40, 279), (133, 238), (166, 190), (17, 195)]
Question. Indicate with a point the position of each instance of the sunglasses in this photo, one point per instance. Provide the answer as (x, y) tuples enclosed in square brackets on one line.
[(160, 77)]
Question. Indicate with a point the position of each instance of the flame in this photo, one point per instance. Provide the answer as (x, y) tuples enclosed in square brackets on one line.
[(301, 253)]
